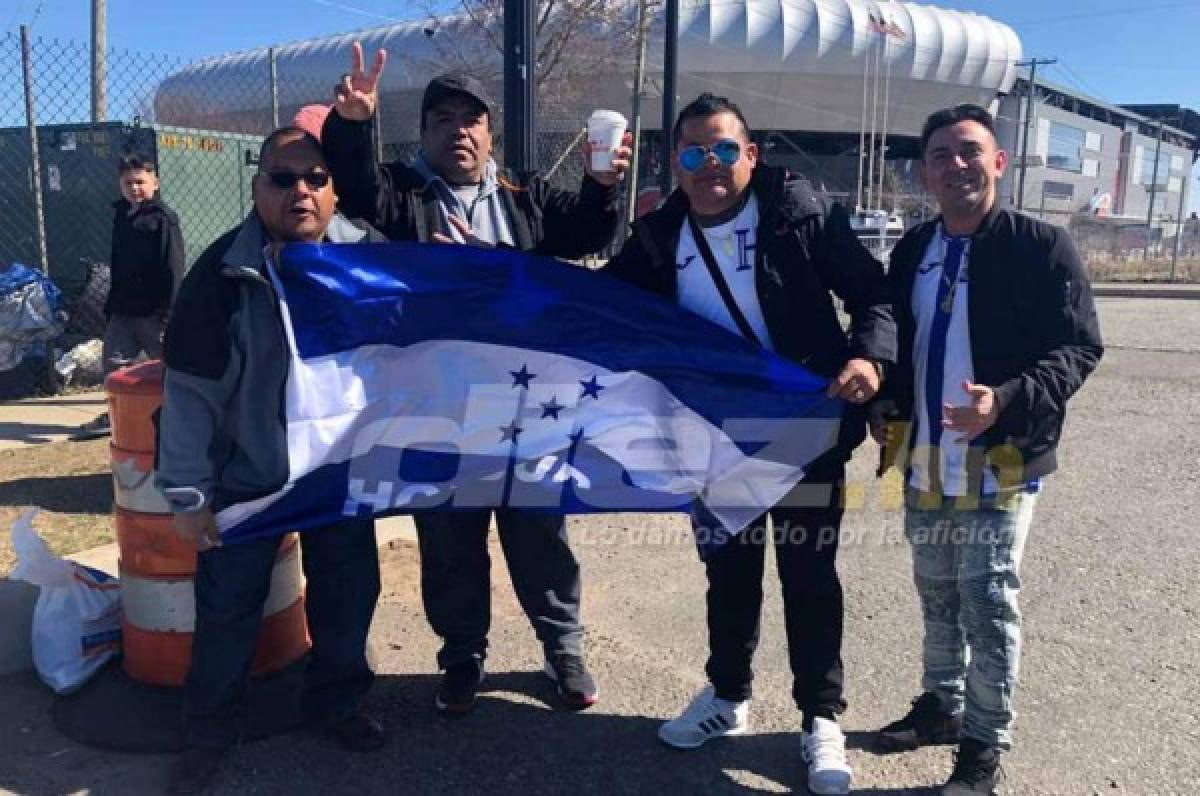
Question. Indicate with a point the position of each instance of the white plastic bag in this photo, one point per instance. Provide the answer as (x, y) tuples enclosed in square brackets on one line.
[(83, 364), (77, 618)]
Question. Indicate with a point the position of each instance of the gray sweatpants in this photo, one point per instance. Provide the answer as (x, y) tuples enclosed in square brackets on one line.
[(126, 336)]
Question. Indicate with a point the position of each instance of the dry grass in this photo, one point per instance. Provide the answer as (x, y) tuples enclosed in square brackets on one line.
[(72, 484), (1138, 270)]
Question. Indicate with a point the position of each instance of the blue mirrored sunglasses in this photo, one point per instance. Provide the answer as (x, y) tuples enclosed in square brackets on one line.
[(727, 152)]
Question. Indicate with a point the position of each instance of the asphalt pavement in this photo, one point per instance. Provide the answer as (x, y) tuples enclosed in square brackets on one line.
[(1109, 700)]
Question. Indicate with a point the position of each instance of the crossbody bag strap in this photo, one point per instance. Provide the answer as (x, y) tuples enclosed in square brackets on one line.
[(719, 280)]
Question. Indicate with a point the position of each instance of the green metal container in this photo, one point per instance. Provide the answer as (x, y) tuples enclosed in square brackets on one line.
[(205, 177)]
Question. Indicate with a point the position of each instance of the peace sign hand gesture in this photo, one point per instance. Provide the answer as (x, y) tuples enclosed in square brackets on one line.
[(357, 95)]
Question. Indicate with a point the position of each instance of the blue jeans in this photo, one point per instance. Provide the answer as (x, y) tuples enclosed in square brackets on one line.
[(341, 565), (966, 565)]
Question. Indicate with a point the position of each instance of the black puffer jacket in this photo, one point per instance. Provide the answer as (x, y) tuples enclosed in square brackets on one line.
[(147, 259)]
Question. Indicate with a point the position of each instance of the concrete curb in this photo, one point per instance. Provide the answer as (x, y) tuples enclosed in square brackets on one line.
[(17, 599), (56, 418), (1176, 291)]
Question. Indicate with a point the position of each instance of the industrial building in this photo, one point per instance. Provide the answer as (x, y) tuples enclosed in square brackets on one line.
[(1085, 155)]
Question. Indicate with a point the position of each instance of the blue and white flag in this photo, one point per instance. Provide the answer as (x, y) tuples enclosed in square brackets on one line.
[(434, 377)]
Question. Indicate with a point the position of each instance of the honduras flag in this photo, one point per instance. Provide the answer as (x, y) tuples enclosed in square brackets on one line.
[(436, 377)]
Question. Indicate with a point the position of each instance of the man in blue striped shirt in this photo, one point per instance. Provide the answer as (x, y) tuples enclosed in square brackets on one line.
[(997, 329)]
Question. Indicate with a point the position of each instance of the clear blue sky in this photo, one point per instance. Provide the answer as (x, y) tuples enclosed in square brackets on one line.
[(1116, 50)]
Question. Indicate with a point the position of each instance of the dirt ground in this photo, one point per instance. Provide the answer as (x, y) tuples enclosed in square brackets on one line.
[(71, 482)]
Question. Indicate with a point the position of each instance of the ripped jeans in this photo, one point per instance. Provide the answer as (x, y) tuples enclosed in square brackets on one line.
[(966, 565)]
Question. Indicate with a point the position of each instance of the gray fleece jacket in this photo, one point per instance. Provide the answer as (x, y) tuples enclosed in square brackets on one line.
[(221, 435)]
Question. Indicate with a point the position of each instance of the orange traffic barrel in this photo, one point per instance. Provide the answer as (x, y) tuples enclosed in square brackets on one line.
[(160, 619), (150, 546), (157, 567), (134, 395), (133, 482)]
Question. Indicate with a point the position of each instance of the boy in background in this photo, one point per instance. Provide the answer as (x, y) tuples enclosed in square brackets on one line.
[(147, 263)]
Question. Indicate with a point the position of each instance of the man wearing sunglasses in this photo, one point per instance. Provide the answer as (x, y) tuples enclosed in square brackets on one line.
[(755, 251), (454, 192), (222, 441)]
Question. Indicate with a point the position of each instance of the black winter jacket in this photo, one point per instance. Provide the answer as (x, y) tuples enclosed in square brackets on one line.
[(147, 259), (395, 199), (1034, 332), (805, 250)]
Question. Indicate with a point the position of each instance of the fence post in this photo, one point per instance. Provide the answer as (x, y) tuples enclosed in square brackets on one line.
[(274, 88), (34, 155), (99, 60), (639, 77)]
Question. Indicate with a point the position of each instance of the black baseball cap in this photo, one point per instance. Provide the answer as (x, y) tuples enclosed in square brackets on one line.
[(454, 84)]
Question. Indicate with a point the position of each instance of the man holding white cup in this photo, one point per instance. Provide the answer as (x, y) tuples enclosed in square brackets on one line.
[(454, 192), (605, 139)]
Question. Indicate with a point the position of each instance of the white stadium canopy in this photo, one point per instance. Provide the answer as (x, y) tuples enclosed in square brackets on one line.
[(791, 64)]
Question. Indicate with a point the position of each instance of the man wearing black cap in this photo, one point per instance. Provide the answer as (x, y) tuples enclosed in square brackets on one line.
[(454, 192)]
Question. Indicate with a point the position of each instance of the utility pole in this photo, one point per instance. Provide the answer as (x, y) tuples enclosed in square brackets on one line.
[(1153, 190), (1032, 63), (520, 82), (670, 73), (1185, 183), (99, 63), (639, 80)]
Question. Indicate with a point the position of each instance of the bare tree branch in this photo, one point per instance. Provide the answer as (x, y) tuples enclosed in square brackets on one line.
[(575, 39)]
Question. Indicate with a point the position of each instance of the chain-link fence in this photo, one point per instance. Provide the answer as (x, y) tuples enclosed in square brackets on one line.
[(1123, 249), (203, 121), (200, 121)]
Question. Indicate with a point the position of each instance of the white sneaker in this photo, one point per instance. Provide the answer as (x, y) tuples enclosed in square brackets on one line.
[(824, 750), (707, 717)]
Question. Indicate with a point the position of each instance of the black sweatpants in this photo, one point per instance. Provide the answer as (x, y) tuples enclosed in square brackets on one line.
[(456, 579), (804, 532)]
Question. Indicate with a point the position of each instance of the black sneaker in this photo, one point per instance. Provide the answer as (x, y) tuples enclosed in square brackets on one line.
[(459, 686), (576, 687), (93, 429), (927, 724), (976, 770)]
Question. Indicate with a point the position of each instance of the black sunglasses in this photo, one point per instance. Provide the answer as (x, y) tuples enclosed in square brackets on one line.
[(286, 180)]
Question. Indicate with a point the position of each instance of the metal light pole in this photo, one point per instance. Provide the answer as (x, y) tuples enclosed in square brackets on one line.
[(520, 82), (1029, 100)]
